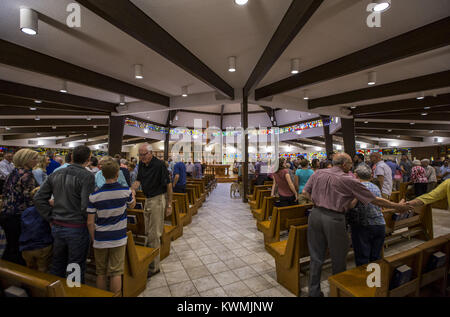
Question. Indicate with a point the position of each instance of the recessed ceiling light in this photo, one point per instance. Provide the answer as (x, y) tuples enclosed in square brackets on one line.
[(295, 66), (412, 123), (372, 80), (241, 2), (28, 21), (7, 128), (37, 118), (389, 130), (306, 94), (366, 122), (426, 108), (424, 113), (421, 96), (38, 101), (146, 131), (382, 5), (122, 100), (33, 109), (353, 107), (64, 87), (138, 72), (232, 64), (184, 91), (54, 127), (299, 132), (95, 127)]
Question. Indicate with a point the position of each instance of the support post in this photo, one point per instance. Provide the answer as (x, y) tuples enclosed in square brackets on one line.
[(244, 120), (328, 137), (116, 127), (348, 131)]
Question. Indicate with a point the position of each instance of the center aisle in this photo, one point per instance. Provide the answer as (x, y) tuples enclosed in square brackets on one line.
[(221, 253)]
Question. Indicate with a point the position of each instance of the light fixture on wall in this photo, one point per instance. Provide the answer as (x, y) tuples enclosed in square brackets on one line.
[(232, 64), (372, 80), (295, 66), (122, 100), (28, 21), (420, 96), (306, 94), (138, 71), (63, 87), (241, 2), (184, 91), (382, 5)]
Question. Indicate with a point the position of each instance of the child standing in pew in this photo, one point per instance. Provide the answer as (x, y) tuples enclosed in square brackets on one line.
[(107, 224)]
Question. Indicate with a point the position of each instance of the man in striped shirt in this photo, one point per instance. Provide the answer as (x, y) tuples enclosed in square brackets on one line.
[(107, 224)]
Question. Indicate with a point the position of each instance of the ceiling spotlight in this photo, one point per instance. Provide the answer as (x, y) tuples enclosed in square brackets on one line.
[(122, 100), (146, 131), (184, 91), (241, 2), (7, 128), (382, 5), (305, 94), (426, 108), (195, 136), (232, 64), (389, 130), (353, 107), (38, 133), (286, 110), (88, 118), (37, 118), (424, 113), (64, 87), (295, 66), (138, 73), (271, 118), (372, 78), (28, 21), (431, 131), (412, 123), (38, 101), (170, 122), (299, 132), (176, 118), (33, 109), (366, 122), (421, 96), (95, 127), (54, 127)]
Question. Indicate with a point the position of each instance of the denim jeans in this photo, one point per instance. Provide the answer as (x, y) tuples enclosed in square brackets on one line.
[(367, 243), (70, 245)]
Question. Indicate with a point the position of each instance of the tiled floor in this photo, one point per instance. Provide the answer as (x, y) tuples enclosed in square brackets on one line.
[(221, 253)]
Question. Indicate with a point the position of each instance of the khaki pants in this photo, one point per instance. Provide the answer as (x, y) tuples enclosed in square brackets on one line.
[(154, 224), (38, 259)]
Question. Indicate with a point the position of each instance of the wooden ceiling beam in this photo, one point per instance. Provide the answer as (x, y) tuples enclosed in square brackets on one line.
[(402, 126), (52, 122), (405, 104), (10, 137), (438, 110), (25, 58), (62, 130), (427, 82), (140, 140), (420, 40), (357, 138), (106, 139), (85, 136), (127, 17), (296, 16), (406, 132), (24, 111), (55, 97), (390, 136), (408, 118)]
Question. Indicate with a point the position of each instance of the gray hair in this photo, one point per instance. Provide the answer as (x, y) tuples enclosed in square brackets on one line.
[(340, 159), (124, 162), (416, 162), (363, 171), (425, 161)]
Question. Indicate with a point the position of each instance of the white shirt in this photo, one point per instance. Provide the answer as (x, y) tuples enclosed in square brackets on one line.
[(5, 169), (189, 168), (382, 169), (431, 174)]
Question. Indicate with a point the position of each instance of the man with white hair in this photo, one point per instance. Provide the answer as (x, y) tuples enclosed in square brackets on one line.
[(154, 178), (6, 167), (383, 174), (332, 190), (430, 173)]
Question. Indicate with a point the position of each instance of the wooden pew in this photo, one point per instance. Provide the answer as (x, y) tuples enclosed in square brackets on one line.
[(353, 283), (137, 260), (395, 197), (282, 219), (252, 196), (176, 229), (39, 284), (191, 200), (437, 277), (185, 210), (260, 199), (255, 198), (266, 210), (287, 256), (202, 187), (420, 225), (197, 202)]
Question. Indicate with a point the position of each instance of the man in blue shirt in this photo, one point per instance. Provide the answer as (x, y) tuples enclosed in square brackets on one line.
[(394, 167), (444, 171), (53, 164), (179, 178), (68, 160)]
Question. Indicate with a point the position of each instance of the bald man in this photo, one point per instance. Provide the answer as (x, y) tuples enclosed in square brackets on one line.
[(333, 192), (383, 173), (154, 178)]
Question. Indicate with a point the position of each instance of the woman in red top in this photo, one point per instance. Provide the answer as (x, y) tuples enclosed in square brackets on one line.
[(286, 189), (419, 178)]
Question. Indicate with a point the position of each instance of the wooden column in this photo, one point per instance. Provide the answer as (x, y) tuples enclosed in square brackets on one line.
[(328, 137), (166, 146), (244, 120), (348, 131), (116, 126)]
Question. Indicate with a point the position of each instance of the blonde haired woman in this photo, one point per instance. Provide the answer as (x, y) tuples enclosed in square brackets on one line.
[(40, 170), (17, 196)]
